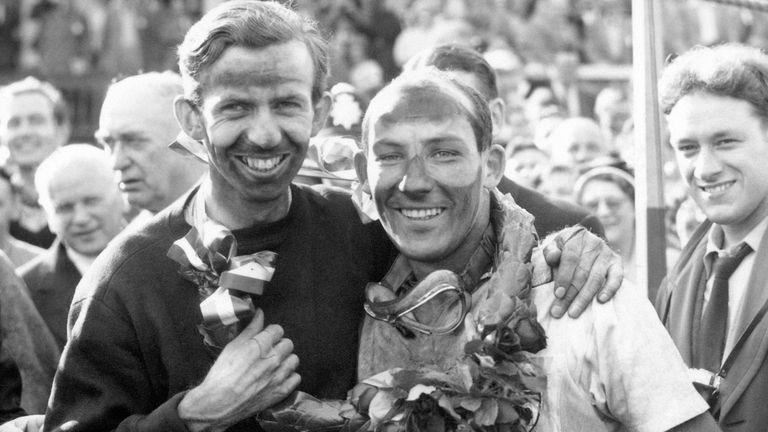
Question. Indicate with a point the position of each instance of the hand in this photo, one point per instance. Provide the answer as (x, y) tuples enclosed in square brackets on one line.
[(30, 423), (583, 265), (254, 371)]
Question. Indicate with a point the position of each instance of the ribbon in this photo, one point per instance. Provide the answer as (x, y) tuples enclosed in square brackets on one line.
[(225, 281)]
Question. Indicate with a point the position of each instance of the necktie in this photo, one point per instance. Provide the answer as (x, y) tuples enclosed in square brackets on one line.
[(714, 320)]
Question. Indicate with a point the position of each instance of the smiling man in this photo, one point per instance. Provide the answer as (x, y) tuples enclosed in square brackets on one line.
[(80, 197), (34, 122), (432, 171), (716, 101)]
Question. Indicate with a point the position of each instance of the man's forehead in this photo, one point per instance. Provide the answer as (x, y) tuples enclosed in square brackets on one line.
[(25, 100), (416, 104)]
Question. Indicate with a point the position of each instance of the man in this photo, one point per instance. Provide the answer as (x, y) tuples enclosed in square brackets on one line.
[(80, 197), (33, 123), (431, 169), (576, 142), (469, 67), (136, 124), (716, 102), (18, 251), (144, 352)]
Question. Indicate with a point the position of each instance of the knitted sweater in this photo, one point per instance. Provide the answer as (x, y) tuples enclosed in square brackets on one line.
[(135, 349)]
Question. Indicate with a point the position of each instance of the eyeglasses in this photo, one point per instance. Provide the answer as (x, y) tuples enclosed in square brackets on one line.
[(612, 203)]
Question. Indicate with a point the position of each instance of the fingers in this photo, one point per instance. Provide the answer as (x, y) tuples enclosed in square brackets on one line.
[(613, 281), (254, 327), (270, 338), (576, 261), (585, 295)]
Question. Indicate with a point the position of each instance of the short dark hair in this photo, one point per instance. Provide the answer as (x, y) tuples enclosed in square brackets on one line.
[(731, 70), (452, 57), (423, 86), (31, 84), (249, 24)]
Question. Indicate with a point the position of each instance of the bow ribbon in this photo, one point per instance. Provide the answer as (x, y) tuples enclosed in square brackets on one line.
[(225, 281)]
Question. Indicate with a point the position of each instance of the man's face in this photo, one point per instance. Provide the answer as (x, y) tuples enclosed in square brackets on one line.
[(85, 210), (527, 166), (28, 127), (613, 208), (258, 116), (721, 148), (426, 178), (581, 145), (137, 127)]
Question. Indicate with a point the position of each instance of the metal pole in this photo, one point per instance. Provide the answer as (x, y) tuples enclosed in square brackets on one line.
[(649, 196)]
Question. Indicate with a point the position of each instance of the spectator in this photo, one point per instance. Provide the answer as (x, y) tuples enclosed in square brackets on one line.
[(33, 123), (613, 109), (713, 300), (18, 252), (80, 196), (526, 164), (576, 142), (558, 181), (136, 126)]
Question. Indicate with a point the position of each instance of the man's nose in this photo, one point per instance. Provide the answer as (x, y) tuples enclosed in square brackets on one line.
[(707, 165), (80, 214), (119, 156), (263, 129), (416, 178)]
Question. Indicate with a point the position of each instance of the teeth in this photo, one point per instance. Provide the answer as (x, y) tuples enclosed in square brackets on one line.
[(421, 213), (717, 188), (259, 164)]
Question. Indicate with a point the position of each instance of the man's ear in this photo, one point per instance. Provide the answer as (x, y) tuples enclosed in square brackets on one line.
[(361, 163), (322, 108), (189, 118), (495, 160), (498, 115)]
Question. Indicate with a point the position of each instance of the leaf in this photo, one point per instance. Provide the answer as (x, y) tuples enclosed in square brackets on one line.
[(470, 403), (487, 413)]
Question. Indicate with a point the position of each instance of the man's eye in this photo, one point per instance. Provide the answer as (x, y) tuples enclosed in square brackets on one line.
[(288, 104), (389, 157), (444, 154)]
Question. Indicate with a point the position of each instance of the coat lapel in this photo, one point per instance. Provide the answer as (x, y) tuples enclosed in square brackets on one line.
[(751, 357), (682, 307)]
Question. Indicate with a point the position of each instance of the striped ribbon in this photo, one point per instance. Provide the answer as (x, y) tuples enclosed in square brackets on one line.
[(225, 281)]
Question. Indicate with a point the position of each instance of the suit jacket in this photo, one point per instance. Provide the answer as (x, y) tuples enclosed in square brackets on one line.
[(744, 391), (550, 215), (51, 279)]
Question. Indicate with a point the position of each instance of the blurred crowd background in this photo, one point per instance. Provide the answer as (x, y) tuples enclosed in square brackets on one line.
[(563, 67)]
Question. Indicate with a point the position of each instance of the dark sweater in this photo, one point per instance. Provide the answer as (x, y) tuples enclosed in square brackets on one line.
[(135, 348)]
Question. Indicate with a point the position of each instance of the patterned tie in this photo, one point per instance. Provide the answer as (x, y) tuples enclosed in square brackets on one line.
[(714, 320)]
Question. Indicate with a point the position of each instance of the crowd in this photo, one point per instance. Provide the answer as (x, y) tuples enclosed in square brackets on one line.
[(340, 192)]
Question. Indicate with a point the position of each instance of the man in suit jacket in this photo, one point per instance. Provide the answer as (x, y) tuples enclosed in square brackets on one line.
[(716, 101), (84, 208), (550, 215)]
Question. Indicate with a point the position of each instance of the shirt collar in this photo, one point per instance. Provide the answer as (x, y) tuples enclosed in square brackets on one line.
[(716, 237)]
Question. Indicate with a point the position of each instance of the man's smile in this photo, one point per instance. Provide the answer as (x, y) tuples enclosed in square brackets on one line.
[(263, 164), (422, 213), (717, 188)]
